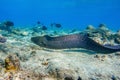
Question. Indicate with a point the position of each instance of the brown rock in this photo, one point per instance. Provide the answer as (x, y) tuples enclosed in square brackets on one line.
[(12, 63)]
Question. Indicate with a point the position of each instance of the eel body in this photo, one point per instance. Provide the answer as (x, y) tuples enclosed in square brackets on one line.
[(73, 41)]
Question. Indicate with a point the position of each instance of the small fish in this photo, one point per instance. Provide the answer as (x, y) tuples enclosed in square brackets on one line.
[(44, 28), (56, 25), (38, 22), (8, 23)]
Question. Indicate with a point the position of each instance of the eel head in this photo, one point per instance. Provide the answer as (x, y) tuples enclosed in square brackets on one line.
[(39, 40)]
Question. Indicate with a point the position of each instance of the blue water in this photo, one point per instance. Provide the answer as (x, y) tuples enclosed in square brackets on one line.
[(70, 13)]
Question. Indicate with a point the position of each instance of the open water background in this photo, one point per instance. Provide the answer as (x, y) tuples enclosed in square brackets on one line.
[(69, 13)]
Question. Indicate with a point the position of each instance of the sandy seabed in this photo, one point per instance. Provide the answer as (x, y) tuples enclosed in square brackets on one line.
[(20, 59), (38, 63)]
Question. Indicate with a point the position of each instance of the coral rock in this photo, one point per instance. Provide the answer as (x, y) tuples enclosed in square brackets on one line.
[(118, 32), (103, 27), (45, 63), (24, 33), (12, 63), (117, 40), (90, 27)]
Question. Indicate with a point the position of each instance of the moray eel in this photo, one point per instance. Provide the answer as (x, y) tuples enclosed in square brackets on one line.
[(73, 41)]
